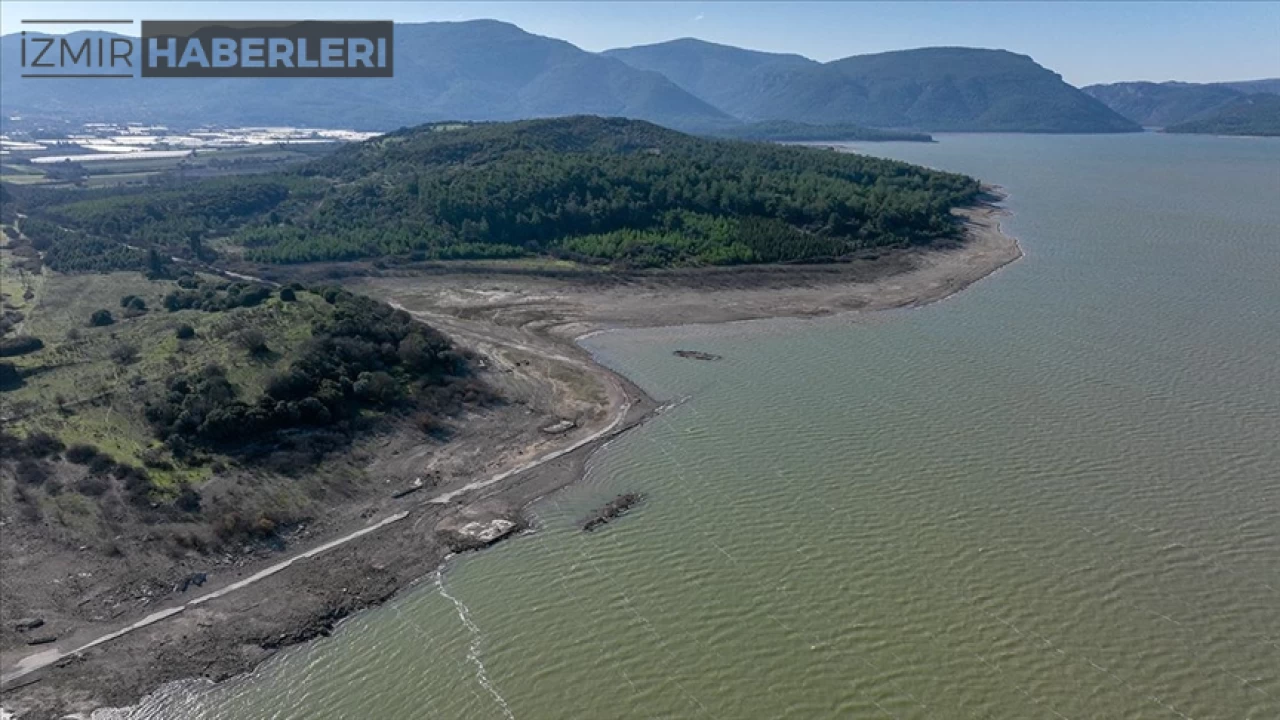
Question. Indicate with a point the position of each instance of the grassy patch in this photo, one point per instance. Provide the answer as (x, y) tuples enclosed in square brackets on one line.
[(82, 388)]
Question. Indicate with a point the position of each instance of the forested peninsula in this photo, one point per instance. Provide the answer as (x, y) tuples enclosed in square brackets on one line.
[(611, 191)]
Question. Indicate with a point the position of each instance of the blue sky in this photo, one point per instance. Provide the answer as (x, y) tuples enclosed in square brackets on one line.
[(1086, 42)]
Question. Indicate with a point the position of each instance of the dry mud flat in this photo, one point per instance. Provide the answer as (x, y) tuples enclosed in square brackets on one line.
[(523, 324), (568, 304)]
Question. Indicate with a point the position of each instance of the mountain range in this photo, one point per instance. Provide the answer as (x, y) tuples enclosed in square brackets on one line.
[(1169, 104), (1256, 114), (486, 70), (946, 88)]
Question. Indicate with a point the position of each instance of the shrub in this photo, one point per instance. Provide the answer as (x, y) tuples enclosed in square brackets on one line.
[(288, 295), (252, 340), (32, 472), (102, 465), (188, 499), (185, 332), (93, 485), (100, 318), (124, 354), (82, 454), (124, 301), (10, 376), (42, 444), (137, 485), (20, 345)]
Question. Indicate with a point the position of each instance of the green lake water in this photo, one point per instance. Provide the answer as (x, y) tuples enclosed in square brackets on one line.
[(1054, 495)]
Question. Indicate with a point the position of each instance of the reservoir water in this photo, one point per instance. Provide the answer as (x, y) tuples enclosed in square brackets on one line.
[(1054, 495)]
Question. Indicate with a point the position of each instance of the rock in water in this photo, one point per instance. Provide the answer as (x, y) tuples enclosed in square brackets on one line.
[(697, 355), (615, 508)]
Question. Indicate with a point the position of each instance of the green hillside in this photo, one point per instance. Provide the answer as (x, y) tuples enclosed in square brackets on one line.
[(1249, 115), (1163, 104), (584, 188)]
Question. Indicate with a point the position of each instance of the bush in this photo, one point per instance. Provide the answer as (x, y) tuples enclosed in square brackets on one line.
[(93, 485), (10, 376), (82, 454), (137, 484), (185, 332), (124, 354), (100, 318), (102, 465), (124, 301), (252, 340), (42, 444), (32, 472), (135, 306), (188, 499), (288, 295), (20, 345)]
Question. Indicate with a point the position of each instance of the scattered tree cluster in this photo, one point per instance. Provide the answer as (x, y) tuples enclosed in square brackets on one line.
[(195, 292), (31, 457), (364, 355)]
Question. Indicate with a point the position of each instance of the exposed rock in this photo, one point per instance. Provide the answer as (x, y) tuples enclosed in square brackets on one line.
[(28, 623), (697, 355), (414, 487), (480, 525), (196, 579), (560, 427), (615, 508)]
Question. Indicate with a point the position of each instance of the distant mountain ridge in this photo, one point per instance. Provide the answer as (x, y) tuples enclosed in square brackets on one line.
[(1172, 103), (940, 89), (1257, 114), (475, 70)]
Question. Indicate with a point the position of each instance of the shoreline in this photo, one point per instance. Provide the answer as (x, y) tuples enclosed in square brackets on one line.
[(542, 319)]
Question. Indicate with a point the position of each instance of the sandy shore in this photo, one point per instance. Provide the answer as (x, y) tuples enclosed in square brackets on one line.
[(524, 324)]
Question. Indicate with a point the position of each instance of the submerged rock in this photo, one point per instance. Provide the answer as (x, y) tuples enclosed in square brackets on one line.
[(615, 508), (697, 355)]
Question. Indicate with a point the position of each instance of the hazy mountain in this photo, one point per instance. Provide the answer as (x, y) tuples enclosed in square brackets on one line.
[(973, 89), (478, 70), (1162, 104), (926, 89), (1249, 87), (1171, 103), (1257, 114), (728, 77)]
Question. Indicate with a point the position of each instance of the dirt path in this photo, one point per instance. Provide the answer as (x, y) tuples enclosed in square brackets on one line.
[(29, 664)]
